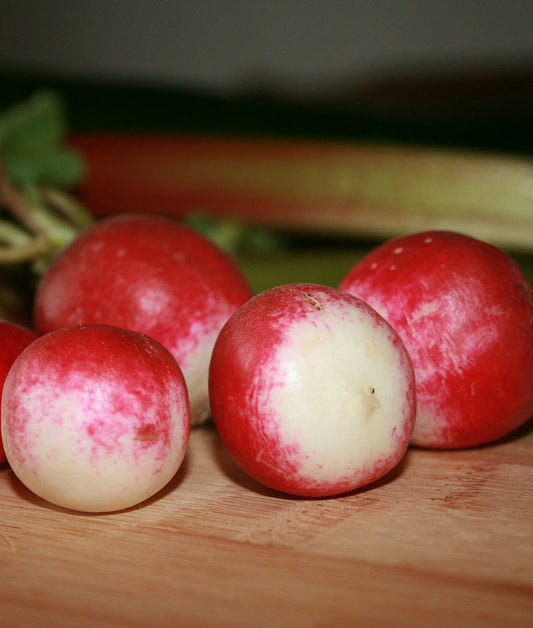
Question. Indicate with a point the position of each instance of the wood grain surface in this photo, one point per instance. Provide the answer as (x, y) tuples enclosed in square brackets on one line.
[(446, 539)]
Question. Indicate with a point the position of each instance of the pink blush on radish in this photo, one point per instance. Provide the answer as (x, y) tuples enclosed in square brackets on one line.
[(13, 340), (95, 418), (464, 310), (312, 391), (152, 275)]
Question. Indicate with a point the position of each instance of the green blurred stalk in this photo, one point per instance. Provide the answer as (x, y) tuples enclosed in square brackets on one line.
[(324, 266)]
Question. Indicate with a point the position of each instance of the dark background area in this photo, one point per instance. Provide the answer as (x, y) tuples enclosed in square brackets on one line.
[(458, 73)]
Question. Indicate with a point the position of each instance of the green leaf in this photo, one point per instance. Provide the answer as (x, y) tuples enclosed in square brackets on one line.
[(34, 125), (31, 133), (56, 167), (235, 235)]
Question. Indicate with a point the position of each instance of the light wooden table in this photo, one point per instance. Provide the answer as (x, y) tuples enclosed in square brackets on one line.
[(445, 540)]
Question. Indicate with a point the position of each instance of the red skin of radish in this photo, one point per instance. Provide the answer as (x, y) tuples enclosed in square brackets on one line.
[(13, 340), (95, 418), (464, 309), (312, 392), (152, 275)]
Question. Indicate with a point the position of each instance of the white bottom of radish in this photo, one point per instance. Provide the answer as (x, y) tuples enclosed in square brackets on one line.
[(338, 395)]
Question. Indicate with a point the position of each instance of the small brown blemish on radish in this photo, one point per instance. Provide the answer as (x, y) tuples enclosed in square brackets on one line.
[(371, 401), (147, 432), (316, 303)]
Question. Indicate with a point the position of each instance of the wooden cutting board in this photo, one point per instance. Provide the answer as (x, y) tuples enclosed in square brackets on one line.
[(446, 539)]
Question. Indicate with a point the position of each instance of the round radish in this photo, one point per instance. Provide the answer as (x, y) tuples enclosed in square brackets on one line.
[(151, 275), (13, 339), (95, 418), (465, 312), (312, 392)]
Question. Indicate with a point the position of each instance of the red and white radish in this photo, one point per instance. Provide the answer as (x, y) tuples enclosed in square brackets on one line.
[(95, 418), (312, 392), (13, 339), (464, 310), (152, 275)]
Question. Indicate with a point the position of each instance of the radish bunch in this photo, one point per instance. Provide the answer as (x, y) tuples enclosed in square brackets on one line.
[(151, 275), (97, 412), (146, 328)]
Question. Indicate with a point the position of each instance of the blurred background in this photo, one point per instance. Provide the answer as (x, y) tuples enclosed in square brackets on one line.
[(432, 72), (298, 47), (403, 62)]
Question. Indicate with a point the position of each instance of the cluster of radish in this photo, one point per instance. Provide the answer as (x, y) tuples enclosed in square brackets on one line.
[(144, 327)]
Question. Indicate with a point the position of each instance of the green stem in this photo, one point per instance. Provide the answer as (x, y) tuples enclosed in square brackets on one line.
[(15, 202), (12, 234), (66, 205), (23, 252), (53, 217)]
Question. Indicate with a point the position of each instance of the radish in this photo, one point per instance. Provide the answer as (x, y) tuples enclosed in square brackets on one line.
[(464, 310), (13, 339), (95, 418), (312, 392), (152, 275)]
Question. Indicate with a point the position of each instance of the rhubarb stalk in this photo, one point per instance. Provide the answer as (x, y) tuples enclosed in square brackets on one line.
[(370, 190)]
